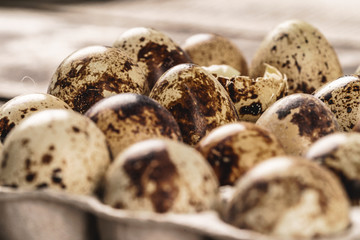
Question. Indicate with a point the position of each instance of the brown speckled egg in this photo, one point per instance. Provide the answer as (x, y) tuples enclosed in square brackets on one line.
[(93, 73), (340, 153), (289, 198), (297, 121), (252, 97), (57, 149), (342, 96), (207, 49), (23, 106), (128, 118), (356, 128), (234, 148), (196, 99), (152, 50), (161, 176), (300, 51)]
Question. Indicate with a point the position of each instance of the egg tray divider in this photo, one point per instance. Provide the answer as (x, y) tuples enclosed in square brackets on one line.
[(51, 215)]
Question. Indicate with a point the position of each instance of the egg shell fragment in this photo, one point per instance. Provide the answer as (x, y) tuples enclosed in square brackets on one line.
[(297, 121), (252, 97), (128, 118), (93, 73), (342, 96), (340, 153), (56, 149), (161, 176), (289, 198), (357, 71), (20, 107), (152, 50), (300, 51), (196, 99), (206, 49), (235, 148), (222, 70)]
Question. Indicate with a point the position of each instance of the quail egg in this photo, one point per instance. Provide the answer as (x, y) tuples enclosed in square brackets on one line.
[(162, 176), (342, 96), (340, 153), (152, 50), (93, 73), (22, 106), (232, 149), (196, 99), (300, 51), (356, 128), (297, 121), (289, 198), (207, 49), (128, 118), (57, 149), (252, 97)]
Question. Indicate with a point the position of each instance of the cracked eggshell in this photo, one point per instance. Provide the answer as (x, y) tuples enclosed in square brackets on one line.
[(161, 176), (252, 97), (128, 118), (56, 149), (297, 121), (300, 51), (289, 197), (340, 153), (93, 73), (342, 96), (357, 72), (222, 70), (196, 99), (207, 49), (23, 106), (152, 50), (235, 148)]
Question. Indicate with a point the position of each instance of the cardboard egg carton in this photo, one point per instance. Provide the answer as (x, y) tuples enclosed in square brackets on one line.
[(44, 215)]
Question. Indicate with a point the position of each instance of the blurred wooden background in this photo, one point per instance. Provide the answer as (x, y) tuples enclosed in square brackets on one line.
[(35, 36)]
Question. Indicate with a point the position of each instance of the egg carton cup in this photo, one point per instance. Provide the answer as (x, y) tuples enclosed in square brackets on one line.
[(44, 215)]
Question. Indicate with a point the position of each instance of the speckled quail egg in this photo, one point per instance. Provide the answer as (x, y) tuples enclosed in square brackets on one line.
[(207, 49), (93, 73), (196, 99), (22, 106), (356, 128), (290, 198), (128, 118), (340, 153), (232, 149), (252, 97), (342, 96), (152, 50), (222, 70), (297, 121), (56, 149), (159, 175), (300, 51)]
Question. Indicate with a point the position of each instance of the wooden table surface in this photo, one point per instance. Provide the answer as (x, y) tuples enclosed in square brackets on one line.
[(36, 36)]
